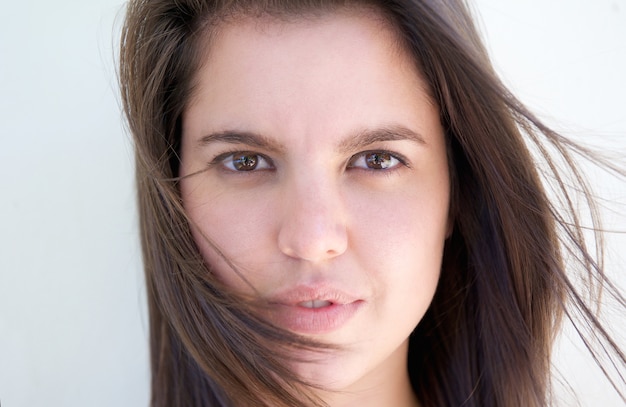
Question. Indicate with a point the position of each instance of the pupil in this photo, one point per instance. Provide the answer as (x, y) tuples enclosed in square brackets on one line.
[(245, 162)]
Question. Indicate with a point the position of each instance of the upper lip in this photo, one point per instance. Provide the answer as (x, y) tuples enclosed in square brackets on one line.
[(297, 295)]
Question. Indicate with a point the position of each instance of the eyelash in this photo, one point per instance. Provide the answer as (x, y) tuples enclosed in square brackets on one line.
[(221, 160)]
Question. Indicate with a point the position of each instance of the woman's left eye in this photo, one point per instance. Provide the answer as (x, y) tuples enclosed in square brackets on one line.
[(374, 160)]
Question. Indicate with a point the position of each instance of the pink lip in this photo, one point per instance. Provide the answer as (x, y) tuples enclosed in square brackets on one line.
[(287, 310)]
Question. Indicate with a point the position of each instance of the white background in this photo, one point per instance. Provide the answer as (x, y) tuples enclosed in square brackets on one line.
[(73, 329)]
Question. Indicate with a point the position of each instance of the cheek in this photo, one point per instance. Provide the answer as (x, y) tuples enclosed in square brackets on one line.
[(411, 222), (238, 225), (401, 242)]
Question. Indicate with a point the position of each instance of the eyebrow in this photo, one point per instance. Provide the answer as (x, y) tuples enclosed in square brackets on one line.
[(367, 137), (242, 137), (359, 140)]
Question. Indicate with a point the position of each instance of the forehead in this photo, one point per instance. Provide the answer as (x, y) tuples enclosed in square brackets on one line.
[(260, 73), (234, 35)]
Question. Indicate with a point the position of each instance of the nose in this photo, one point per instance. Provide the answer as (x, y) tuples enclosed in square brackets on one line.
[(313, 223)]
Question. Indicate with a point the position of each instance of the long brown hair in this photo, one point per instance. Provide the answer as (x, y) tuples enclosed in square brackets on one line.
[(486, 340)]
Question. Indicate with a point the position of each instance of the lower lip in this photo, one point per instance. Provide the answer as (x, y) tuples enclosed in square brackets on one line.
[(313, 320)]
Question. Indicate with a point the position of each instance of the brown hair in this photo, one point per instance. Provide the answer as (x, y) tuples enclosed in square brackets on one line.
[(486, 339)]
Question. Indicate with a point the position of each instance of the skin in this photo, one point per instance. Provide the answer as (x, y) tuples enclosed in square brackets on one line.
[(311, 101)]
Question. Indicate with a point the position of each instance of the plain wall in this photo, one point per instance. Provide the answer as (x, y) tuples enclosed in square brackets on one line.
[(73, 328)]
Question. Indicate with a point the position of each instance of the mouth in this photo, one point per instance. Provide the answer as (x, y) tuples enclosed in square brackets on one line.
[(313, 311)]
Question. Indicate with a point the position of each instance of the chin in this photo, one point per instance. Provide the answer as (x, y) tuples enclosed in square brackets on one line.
[(330, 370)]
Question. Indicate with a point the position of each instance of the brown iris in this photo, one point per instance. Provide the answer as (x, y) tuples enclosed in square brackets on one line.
[(378, 161), (245, 161)]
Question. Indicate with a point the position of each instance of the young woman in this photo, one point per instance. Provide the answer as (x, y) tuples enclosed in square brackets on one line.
[(339, 207)]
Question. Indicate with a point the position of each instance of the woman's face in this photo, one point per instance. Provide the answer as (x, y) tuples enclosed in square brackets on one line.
[(324, 180)]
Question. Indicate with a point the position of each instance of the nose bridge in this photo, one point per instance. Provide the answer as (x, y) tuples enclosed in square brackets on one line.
[(313, 226)]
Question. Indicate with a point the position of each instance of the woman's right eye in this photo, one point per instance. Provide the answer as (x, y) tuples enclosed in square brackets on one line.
[(246, 161)]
